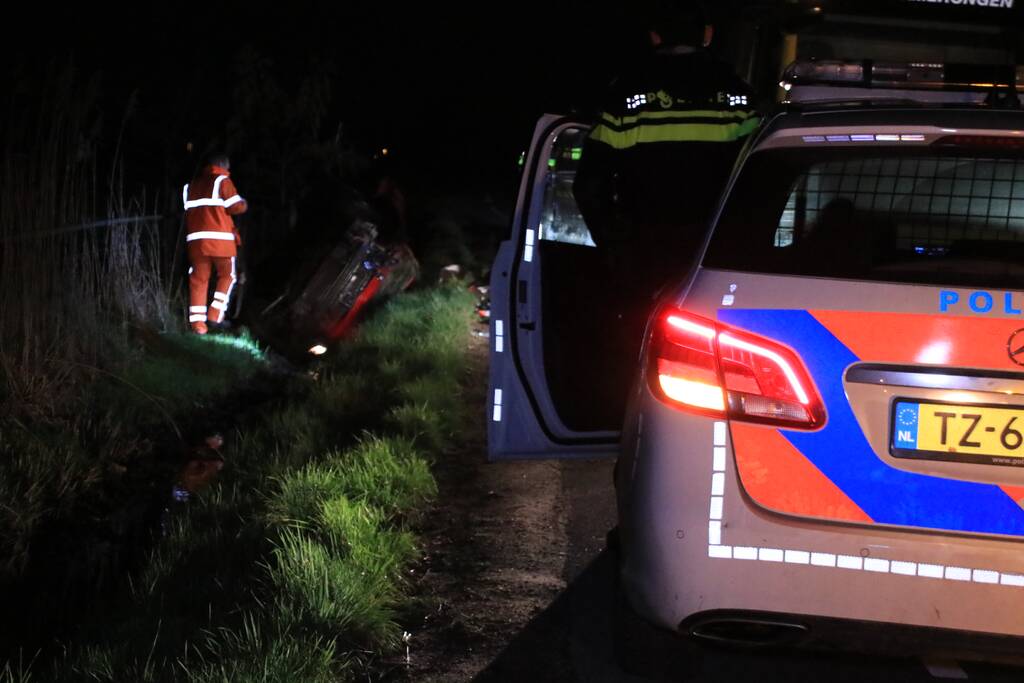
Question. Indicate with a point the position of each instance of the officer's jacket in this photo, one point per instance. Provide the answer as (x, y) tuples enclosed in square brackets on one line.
[(665, 142), (210, 201)]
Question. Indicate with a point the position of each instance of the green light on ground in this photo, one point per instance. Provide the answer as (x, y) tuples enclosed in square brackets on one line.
[(242, 343)]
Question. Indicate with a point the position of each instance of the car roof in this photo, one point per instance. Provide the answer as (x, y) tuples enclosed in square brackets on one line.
[(892, 112)]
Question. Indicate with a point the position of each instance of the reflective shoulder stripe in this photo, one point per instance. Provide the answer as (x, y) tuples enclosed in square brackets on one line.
[(184, 195), (671, 131), (216, 186), (210, 235), (612, 120), (231, 201), (203, 202), (724, 115)]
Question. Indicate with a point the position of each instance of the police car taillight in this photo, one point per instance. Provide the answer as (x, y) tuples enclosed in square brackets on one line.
[(703, 366)]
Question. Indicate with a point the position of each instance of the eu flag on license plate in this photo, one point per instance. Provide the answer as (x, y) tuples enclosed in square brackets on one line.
[(905, 425)]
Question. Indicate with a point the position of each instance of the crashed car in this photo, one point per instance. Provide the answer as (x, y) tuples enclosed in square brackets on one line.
[(323, 306)]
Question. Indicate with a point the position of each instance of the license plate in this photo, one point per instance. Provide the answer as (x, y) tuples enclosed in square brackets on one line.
[(986, 435)]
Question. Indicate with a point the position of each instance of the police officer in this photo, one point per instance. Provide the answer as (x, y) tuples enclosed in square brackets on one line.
[(661, 152)]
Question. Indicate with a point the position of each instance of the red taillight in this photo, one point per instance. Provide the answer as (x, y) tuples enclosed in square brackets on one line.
[(710, 368)]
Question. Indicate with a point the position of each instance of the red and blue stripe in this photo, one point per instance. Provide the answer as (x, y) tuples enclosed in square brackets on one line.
[(833, 473)]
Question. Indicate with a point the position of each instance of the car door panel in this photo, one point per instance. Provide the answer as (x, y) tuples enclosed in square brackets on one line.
[(539, 334)]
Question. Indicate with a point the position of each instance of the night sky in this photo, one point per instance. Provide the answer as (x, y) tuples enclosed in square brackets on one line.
[(450, 91)]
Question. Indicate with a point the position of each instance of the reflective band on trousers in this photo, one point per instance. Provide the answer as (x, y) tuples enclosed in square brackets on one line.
[(671, 131), (220, 299), (201, 318), (210, 235), (197, 309)]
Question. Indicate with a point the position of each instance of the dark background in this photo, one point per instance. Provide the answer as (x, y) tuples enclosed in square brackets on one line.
[(306, 96), (451, 92)]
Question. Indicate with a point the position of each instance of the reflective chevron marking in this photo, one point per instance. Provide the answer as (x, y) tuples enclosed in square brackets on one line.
[(719, 550)]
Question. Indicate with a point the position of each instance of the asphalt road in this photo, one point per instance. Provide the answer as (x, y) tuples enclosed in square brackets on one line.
[(573, 633), (516, 583)]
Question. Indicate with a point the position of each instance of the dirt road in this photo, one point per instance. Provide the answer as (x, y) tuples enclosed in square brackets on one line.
[(502, 546)]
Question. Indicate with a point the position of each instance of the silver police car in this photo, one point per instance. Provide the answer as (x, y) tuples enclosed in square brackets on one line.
[(826, 426)]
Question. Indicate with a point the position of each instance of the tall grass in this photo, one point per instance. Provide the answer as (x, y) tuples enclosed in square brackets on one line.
[(19, 671), (66, 291), (256, 653), (291, 567), (82, 421), (386, 473), (68, 296)]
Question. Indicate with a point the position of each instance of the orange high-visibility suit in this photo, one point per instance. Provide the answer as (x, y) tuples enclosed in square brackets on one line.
[(210, 201)]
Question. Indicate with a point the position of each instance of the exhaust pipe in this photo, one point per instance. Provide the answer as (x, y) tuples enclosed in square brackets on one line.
[(749, 631)]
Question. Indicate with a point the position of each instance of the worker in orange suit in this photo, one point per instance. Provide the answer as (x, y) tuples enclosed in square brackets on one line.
[(211, 199)]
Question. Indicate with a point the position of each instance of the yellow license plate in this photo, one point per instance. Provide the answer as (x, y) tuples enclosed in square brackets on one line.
[(967, 433)]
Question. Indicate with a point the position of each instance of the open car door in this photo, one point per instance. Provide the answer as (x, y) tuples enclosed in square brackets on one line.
[(548, 397)]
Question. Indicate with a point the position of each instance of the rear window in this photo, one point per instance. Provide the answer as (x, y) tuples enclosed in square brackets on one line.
[(925, 215)]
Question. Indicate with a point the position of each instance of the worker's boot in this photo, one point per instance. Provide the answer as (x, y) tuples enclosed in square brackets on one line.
[(199, 328)]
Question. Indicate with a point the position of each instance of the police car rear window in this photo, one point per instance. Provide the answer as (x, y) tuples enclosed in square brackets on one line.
[(905, 215)]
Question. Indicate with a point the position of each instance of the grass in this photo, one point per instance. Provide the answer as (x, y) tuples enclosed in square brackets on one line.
[(179, 368), (70, 297), (69, 294), (78, 483), (19, 671), (290, 567), (421, 424), (255, 654), (345, 580), (87, 455), (384, 472)]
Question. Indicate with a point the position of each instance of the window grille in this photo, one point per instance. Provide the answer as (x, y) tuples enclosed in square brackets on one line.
[(928, 203)]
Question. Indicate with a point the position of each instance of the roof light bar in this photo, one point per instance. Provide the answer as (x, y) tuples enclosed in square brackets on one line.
[(910, 76), (868, 137)]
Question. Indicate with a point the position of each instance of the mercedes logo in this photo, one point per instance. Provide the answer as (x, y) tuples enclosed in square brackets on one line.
[(1015, 347)]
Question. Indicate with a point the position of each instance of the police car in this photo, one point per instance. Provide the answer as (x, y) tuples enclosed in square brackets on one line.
[(826, 423)]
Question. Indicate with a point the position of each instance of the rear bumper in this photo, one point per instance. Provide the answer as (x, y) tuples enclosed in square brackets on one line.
[(848, 635), (694, 544)]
